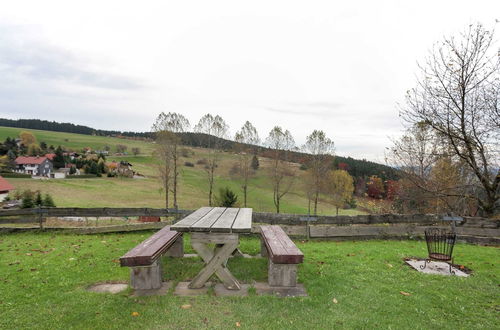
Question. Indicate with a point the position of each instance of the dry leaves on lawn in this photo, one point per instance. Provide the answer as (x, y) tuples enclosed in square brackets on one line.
[(186, 306), (405, 293), (335, 301)]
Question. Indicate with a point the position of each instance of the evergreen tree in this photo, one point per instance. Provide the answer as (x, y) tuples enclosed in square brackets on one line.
[(58, 160), (48, 201), (38, 199), (28, 202), (255, 163)]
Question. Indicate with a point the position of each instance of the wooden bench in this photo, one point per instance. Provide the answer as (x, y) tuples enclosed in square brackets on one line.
[(283, 254), (146, 272)]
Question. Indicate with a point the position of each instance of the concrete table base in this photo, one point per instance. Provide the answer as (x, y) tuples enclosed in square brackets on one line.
[(182, 289), (108, 287), (280, 291), (221, 291), (163, 290)]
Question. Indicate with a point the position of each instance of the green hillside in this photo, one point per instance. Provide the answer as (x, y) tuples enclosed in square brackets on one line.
[(76, 142), (124, 192)]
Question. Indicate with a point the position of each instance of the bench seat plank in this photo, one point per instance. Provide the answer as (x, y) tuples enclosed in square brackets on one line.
[(151, 249), (280, 247)]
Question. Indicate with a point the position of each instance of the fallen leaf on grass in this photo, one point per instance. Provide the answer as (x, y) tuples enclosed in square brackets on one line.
[(405, 293), (238, 324), (335, 301), (29, 254), (187, 306), (135, 314), (389, 265), (351, 254)]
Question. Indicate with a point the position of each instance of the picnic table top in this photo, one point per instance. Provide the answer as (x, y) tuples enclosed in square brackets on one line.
[(217, 220)]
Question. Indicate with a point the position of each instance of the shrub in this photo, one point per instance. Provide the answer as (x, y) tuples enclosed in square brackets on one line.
[(186, 153), (83, 176), (303, 167), (16, 175), (226, 198), (188, 164), (352, 203)]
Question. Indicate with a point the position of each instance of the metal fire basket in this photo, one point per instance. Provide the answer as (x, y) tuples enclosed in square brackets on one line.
[(440, 243)]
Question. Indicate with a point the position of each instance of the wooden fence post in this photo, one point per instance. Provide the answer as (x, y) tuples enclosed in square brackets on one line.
[(40, 217)]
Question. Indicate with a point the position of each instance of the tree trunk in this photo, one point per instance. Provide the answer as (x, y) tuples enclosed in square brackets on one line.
[(337, 210), (175, 177), (316, 202), (245, 195)]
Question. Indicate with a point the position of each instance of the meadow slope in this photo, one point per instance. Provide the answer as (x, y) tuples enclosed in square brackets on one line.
[(147, 192)]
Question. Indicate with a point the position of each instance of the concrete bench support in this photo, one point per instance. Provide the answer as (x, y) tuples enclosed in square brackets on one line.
[(282, 274), (146, 277), (177, 249)]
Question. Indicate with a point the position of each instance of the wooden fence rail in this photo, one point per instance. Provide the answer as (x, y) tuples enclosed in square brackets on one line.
[(335, 227)]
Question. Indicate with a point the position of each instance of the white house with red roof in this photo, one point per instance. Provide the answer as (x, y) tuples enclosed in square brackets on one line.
[(35, 165), (5, 187)]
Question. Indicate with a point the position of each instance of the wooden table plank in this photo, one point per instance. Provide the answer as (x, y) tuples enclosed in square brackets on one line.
[(208, 220), (225, 222), (243, 221), (191, 219)]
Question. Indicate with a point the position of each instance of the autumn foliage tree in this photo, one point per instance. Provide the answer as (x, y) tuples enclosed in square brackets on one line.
[(375, 187), (340, 186)]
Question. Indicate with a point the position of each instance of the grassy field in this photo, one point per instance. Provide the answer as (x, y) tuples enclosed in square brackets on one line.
[(43, 281), (124, 192)]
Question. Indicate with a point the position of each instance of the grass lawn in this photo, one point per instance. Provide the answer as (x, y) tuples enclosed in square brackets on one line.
[(43, 277)]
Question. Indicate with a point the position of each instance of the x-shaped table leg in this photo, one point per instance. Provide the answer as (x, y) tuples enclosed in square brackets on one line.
[(215, 259)]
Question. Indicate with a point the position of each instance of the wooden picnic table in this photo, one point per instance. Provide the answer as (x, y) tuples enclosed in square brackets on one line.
[(220, 226)]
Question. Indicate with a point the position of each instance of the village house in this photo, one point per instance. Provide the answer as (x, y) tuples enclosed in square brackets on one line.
[(38, 166), (5, 187)]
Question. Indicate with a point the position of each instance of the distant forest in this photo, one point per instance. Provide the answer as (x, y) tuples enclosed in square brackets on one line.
[(357, 168)]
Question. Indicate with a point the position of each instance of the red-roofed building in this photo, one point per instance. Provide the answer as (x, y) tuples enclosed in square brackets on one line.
[(39, 166), (50, 156), (5, 187)]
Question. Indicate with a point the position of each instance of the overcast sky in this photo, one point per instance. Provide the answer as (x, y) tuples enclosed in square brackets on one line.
[(338, 66)]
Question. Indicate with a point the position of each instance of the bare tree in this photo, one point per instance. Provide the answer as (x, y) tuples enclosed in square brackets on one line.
[(282, 175), (166, 128), (320, 150), (215, 129), (457, 96), (247, 138)]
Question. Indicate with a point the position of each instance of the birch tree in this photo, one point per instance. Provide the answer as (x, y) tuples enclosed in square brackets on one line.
[(282, 175), (215, 129), (320, 150), (247, 137), (166, 128)]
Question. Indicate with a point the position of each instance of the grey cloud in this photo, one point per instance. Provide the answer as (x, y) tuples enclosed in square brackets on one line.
[(22, 55)]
